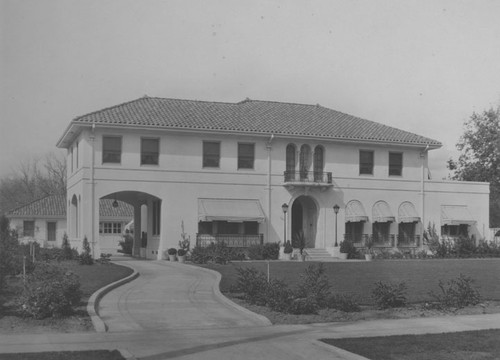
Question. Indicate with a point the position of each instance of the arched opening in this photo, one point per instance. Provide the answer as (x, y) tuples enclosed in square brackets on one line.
[(319, 163), (290, 162), (305, 161), (304, 218), (74, 217)]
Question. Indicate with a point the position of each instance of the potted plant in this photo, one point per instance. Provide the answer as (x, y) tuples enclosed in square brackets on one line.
[(345, 248), (172, 252), (299, 240), (181, 255), (368, 249), (288, 249)]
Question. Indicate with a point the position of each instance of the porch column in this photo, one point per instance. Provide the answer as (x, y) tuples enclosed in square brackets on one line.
[(136, 250)]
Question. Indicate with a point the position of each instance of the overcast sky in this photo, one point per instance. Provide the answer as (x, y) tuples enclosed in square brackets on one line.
[(422, 66)]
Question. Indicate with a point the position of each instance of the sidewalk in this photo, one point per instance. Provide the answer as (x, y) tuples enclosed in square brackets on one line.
[(176, 333)]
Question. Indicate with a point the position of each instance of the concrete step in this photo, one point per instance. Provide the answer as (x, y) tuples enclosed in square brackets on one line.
[(318, 255)]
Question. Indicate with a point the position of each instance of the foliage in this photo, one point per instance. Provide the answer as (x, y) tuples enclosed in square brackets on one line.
[(50, 291), (431, 237), (181, 252), (368, 245), (268, 251), (9, 249), (199, 255), (127, 244), (457, 293), (253, 284), (86, 256), (347, 247), (218, 253), (313, 283), (185, 243), (288, 248), (390, 295), (104, 259), (480, 156), (344, 302), (33, 179), (172, 251), (306, 305), (278, 295), (68, 254), (299, 240)]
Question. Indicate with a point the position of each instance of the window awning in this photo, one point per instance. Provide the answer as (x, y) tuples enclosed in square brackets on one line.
[(354, 212), (407, 213), (233, 210), (382, 212), (456, 215)]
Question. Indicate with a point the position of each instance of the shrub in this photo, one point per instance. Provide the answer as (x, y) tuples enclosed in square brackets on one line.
[(288, 249), (347, 247), (172, 251), (104, 259), (50, 291), (344, 302), (185, 243), (268, 251), (181, 252), (219, 253), (68, 253), (313, 283), (463, 247), (278, 295), (253, 284), (200, 255), (302, 306), (457, 293), (85, 256), (389, 295), (9, 251), (127, 244)]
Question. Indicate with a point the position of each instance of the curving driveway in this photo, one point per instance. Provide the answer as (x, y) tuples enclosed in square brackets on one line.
[(172, 296)]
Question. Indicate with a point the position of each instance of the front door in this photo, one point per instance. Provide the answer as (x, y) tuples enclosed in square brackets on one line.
[(304, 217)]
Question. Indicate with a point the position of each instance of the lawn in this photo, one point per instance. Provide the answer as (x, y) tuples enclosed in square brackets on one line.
[(449, 346), (66, 355), (92, 278), (358, 277)]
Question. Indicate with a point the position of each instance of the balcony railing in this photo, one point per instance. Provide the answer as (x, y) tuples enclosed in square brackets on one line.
[(313, 177), (231, 240), (359, 240)]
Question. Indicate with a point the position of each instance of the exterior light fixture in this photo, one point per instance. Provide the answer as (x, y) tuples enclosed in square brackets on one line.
[(284, 207), (115, 204), (336, 209)]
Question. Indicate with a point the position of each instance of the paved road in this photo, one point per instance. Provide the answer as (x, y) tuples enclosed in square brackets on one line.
[(172, 296)]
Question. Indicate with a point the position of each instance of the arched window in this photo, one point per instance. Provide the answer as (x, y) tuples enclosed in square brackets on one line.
[(74, 217), (290, 162), (305, 161), (318, 163)]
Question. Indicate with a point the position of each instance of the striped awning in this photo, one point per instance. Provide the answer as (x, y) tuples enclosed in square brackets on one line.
[(407, 213), (382, 212), (354, 212), (233, 210), (456, 215)]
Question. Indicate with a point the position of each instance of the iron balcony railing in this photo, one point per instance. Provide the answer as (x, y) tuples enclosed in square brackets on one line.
[(359, 240), (231, 240), (308, 177)]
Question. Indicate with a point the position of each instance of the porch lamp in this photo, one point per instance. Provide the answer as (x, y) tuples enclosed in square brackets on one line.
[(115, 204), (284, 207), (336, 209)]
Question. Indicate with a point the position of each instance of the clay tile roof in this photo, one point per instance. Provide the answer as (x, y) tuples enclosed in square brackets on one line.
[(55, 205), (251, 116)]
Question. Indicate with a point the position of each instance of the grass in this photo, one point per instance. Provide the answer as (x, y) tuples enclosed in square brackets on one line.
[(449, 346), (66, 355), (358, 277)]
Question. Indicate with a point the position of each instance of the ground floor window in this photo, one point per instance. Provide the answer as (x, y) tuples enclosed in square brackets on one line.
[(381, 231), (354, 231), (29, 228), (406, 230), (455, 230), (110, 228), (51, 231)]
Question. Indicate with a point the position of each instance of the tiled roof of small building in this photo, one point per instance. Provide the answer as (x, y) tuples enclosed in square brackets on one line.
[(55, 205), (250, 116)]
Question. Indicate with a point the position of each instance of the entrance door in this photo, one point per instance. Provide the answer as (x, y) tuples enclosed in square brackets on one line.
[(305, 217)]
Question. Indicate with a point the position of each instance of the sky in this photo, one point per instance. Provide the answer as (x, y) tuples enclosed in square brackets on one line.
[(423, 66)]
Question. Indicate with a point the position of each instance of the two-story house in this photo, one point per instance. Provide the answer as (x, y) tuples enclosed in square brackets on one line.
[(227, 171)]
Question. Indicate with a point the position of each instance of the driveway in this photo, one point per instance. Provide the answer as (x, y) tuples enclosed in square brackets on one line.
[(170, 295)]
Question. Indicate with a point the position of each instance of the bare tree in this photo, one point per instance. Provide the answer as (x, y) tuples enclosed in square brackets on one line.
[(33, 179)]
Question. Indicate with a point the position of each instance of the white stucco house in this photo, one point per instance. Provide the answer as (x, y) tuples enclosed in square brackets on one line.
[(44, 221), (226, 169)]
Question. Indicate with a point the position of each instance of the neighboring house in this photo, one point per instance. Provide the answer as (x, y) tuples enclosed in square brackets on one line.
[(226, 169), (44, 221)]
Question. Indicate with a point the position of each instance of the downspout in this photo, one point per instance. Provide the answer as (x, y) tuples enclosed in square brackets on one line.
[(92, 188), (423, 156), (269, 168)]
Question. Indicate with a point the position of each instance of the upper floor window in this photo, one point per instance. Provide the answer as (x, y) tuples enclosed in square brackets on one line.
[(318, 163), (111, 149), (29, 228), (246, 155), (110, 228), (366, 162), (395, 164), (150, 151), (211, 154), (156, 217)]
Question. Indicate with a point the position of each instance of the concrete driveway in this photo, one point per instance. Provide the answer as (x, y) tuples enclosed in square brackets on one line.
[(170, 295)]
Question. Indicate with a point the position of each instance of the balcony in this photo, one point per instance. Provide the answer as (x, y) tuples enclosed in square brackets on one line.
[(230, 240), (408, 241), (308, 178)]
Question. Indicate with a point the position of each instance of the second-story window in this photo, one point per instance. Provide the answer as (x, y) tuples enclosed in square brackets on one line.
[(246, 155), (395, 164), (366, 162), (150, 151), (111, 149), (211, 154)]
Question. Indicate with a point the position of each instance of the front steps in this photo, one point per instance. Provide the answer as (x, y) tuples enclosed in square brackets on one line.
[(314, 254)]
